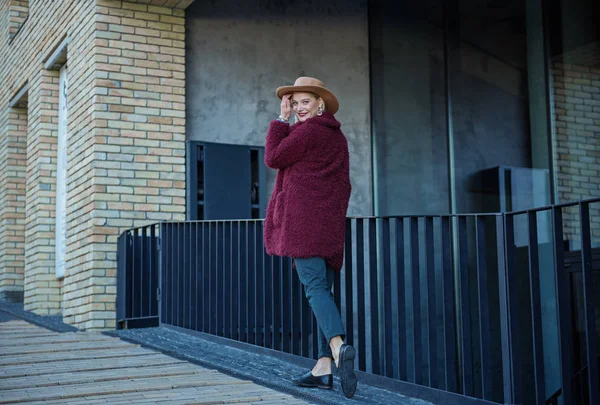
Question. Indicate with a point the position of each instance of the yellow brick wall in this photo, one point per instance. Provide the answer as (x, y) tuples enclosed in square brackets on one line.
[(576, 121), (13, 144), (19, 10), (126, 145), (42, 289)]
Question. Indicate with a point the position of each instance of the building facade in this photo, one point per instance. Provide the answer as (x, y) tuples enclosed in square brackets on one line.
[(92, 141), (449, 107)]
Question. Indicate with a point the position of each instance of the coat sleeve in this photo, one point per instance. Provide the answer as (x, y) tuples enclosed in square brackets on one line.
[(283, 147)]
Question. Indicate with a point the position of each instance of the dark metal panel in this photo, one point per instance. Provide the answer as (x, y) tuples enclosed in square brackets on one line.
[(465, 308), (227, 181), (191, 184), (484, 309), (415, 307), (401, 305), (589, 300)]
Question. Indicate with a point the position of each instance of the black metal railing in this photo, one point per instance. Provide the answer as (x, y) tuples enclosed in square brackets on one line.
[(478, 304)]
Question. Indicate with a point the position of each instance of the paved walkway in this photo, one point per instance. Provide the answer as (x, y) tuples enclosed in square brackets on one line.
[(39, 366)]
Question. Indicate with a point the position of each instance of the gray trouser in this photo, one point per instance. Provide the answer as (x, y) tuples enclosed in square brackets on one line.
[(317, 278)]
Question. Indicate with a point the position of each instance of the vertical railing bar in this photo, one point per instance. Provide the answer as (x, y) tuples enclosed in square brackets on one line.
[(536, 308), (190, 274), (296, 302), (275, 304), (252, 274), (348, 301), (161, 271), (221, 270), (172, 280), (243, 281), (374, 297), (401, 309), (197, 277), (228, 291), (450, 354), (154, 265), (416, 301), (431, 303), (511, 308), (206, 277), (306, 321), (212, 264), (135, 275), (564, 306), (465, 308), (235, 281), (181, 287), (360, 295), (259, 296), (287, 315), (589, 301), (484, 309), (143, 274), (387, 300)]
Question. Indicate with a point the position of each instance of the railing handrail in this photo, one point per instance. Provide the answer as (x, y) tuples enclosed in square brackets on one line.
[(369, 217)]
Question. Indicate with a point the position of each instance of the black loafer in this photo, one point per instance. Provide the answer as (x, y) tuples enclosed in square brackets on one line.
[(308, 380), (346, 369)]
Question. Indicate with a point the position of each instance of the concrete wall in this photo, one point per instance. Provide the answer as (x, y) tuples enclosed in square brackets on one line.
[(239, 52)]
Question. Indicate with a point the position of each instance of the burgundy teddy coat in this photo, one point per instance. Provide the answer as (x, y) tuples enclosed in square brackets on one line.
[(306, 216)]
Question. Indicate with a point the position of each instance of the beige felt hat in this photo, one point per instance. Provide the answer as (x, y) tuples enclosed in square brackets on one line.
[(312, 85)]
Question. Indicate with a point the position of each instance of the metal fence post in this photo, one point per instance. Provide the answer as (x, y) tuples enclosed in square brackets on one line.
[(507, 371)]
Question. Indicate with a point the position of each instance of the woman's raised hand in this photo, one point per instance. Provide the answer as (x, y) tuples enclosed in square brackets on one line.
[(286, 109)]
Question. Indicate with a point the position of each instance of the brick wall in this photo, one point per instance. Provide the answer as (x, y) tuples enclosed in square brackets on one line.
[(42, 289), (125, 145), (13, 145), (577, 142), (19, 10), (129, 170)]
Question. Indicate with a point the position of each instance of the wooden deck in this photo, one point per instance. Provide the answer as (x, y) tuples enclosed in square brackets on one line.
[(38, 366)]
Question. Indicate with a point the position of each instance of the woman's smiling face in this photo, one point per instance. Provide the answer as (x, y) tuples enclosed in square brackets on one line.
[(305, 105)]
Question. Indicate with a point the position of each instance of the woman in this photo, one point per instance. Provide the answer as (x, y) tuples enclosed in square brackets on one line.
[(306, 216)]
